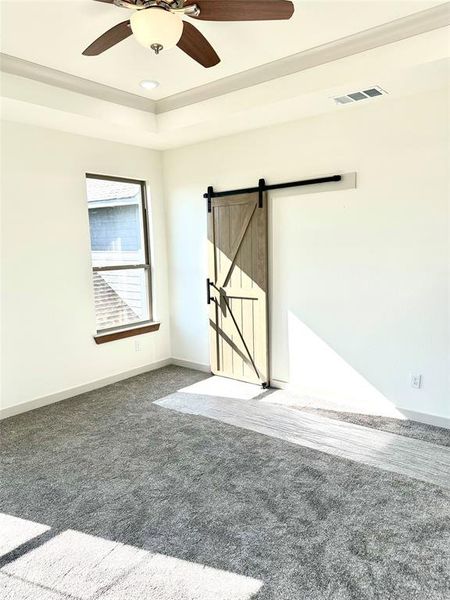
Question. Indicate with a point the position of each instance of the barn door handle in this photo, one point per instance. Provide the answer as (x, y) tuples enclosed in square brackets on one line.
[(209, 285)]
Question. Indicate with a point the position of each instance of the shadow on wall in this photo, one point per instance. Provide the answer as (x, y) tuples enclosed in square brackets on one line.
[(323, 379)]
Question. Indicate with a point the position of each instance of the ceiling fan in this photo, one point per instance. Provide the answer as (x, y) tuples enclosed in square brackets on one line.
[(157, 24)]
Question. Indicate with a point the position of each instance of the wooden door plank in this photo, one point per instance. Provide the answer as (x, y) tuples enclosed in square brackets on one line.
[(238, 212), (214, 341), (250, 210), (260, 261), (226, 249)]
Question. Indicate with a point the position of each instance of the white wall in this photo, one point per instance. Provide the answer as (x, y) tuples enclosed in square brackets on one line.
[(48, 304), (359, 277)]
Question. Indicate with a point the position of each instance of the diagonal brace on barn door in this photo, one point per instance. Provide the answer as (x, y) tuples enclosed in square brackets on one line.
[(250, 211), (225, 300), (220, 332)]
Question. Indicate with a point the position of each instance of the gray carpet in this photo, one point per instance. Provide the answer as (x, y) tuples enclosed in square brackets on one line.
[(380, 449), (308, 525), (407, 428)]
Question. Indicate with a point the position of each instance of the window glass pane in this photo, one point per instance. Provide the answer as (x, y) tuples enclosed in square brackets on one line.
[(121, 297), (115, 222)]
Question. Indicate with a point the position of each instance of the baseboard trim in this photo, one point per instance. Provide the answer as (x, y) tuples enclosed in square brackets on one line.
[(412, 415), (279, 384), (11, 411), (426, 418), (180, 362)]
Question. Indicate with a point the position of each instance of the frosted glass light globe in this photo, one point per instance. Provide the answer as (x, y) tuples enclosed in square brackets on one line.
[(156, 27)]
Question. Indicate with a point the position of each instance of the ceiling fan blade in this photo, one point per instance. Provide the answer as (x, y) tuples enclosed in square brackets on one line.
[(110, 38), (197, 46), (243, 10)]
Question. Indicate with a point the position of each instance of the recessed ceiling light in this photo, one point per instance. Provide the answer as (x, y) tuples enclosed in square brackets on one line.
[(148, 84)]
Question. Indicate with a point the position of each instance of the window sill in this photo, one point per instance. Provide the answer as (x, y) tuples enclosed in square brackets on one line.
[(111, 336)]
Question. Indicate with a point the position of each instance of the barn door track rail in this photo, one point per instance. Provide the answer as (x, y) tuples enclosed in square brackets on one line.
[(264, 187)]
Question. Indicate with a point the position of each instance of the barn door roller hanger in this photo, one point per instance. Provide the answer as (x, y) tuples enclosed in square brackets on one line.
[(263, 187)]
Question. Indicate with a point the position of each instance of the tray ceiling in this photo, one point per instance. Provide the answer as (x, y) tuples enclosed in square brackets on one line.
[(66, 27)]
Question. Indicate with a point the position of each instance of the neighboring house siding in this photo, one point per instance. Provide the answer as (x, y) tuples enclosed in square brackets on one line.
[(130, 287), (115, 228)]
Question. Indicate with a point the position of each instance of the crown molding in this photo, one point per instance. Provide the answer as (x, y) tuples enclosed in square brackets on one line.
[(388, 33), (24, 68)]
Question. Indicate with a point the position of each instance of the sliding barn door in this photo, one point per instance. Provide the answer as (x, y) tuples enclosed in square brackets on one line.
[(237, 288)]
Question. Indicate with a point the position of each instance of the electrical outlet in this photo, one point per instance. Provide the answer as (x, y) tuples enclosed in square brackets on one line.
[(416, 381), (137, 346)]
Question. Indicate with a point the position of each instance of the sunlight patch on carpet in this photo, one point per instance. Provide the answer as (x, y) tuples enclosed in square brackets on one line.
[(14, 532), (84, 566)]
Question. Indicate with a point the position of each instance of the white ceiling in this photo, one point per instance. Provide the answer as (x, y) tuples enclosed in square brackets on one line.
[(54, 33), (409, 66)]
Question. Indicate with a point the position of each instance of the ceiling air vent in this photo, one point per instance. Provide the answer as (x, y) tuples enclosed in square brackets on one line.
[(362, 95)]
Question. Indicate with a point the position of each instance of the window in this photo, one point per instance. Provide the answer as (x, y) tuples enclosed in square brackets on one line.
[(120, 252)]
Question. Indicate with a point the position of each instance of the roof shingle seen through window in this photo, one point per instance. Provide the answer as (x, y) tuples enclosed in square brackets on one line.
[(111, 310), (104, 189)]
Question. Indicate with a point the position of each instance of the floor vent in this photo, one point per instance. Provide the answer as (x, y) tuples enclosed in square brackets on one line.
[(362, 95)]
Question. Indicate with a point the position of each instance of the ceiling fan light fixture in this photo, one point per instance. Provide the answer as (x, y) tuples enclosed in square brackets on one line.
[(156, 28)]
